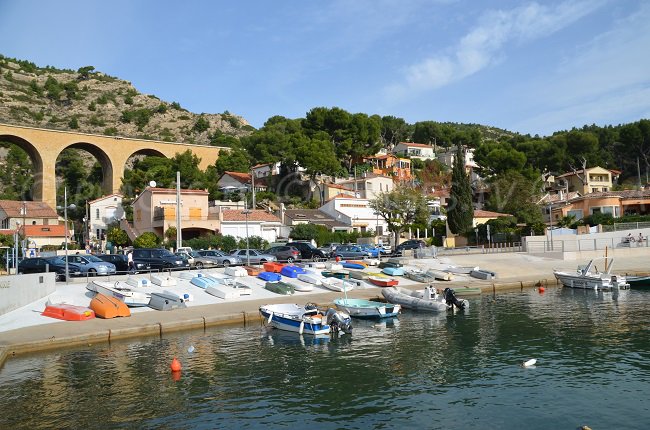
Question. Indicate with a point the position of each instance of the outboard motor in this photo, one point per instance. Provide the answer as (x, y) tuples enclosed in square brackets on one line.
[(338, 321), (451, 299)]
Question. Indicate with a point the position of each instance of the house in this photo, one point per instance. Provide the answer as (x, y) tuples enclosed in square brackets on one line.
[(40, 235), (266, 170), (154, 210), (332, 190), (369, 186), (414, 150), (243, 223), (37, 222), (593, 180), (437, 204), (231, 182), (614, 203), (102, 212), (481, 216), (555, 200), (356, 213), (447, 158), (294, 217), (391, 165)]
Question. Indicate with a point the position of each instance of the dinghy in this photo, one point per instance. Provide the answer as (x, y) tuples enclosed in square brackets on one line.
[(203, 281), (366, 309), (460, 270), (220, 278), (68, 312), (292, 271), (299, 286), (336, 284), (306, 319), (482, 274), (310, 278), (385, 264), (340, 274), (333, 266), (427, 299), (393, 271), (109, 307), (371, 261), (121, 291), (315, 265), (244, 290), (235, 271), (137, 282), (163, 280), (223, 291), (273, 267), (383, 282), (269, 276), (358, 274), (280, 287), (252, 271), (418, 276), (440, 275), (352, 265), (166, 302)]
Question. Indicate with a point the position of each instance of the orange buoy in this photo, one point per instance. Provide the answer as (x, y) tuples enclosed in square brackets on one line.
[(176, 365), (541, 290), (338, 258)]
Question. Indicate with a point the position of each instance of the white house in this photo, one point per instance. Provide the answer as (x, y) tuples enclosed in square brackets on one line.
[(369, 186), (447, 158), (102, 212), (258, 223), (266, 170), (356, 213), (415, 150)]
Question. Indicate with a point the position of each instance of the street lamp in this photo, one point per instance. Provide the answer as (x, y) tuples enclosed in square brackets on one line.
[(246, 212), (65, 217), (23, 212)]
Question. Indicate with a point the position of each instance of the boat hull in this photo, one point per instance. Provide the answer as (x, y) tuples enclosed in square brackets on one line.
[(292, 271), (280, 288), (383, 282), (67, 312), (638, 281), (415, 300), (109, 307), (291, 317), (366, 309), (130, 297)]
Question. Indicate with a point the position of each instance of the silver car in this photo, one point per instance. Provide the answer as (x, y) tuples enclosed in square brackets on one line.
[(91, 265), (220, 257), (255, 256)]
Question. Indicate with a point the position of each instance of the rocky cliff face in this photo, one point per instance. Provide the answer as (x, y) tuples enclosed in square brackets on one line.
[(92, 102)]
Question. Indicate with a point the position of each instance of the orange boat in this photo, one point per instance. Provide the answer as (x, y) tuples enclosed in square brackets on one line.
[(253, 271), (359, 262), (109, 307), (273, 267), (383, 282), (66, 312)]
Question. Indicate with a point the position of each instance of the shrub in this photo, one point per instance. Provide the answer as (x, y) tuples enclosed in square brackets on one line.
[(73, 123), (201, 125), (110, 131), (146, 240)]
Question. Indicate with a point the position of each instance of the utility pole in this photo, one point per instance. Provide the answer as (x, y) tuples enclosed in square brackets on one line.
[(179, 235), (253, 186)]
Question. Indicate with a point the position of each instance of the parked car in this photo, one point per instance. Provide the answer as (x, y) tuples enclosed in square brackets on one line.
[(255, 256), (158, 258), (329, 248), (308, 251), (91, 265), (284, 253), (374, 251), (48, 264), (201, 261), (222, 258), (121, 263), (186, 257), (351, 252), (409, 244)]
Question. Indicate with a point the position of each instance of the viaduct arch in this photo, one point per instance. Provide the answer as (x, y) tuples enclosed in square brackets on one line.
[(43, 147)]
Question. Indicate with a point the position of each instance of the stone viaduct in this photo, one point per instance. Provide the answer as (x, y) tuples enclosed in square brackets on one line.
[(43, 147)]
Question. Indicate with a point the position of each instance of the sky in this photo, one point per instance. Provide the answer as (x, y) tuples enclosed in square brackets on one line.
[(525, 66)]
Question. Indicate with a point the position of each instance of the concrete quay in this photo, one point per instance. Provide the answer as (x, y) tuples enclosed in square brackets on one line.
[(515, 271)]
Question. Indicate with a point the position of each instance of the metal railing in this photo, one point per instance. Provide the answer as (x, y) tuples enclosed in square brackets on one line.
[(620, 226), (585, 244)]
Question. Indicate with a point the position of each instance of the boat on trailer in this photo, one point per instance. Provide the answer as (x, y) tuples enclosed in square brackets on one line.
[(367, 309), (590, 278)]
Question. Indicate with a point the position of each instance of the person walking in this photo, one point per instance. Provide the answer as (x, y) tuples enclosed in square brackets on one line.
[(129, 262)]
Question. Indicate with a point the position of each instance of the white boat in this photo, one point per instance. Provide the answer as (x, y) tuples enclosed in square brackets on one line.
[(336, 284), (235, 271), (221, 279), (333, 266), (460, 270), (310, 278), (138, 282), (360, 308), (315, 265), (305, 319), (440, 274), (223, 291), (371, 261), (427, 299), (299, 286), (163, 280), (244, 290), (590, 278), (188, 275), (120, 291)]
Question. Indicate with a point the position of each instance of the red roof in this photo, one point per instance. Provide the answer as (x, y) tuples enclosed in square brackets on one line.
[(340, 187), (45, 230), (34, 209), (487, 214), (244, 178), (416, 145), (577, 172), (173, 190), (256, 215)]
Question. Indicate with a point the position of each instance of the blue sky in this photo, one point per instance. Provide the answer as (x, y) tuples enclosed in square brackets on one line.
[(531, 67)]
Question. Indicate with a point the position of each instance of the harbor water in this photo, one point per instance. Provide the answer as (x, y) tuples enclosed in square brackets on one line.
[(421, 371)]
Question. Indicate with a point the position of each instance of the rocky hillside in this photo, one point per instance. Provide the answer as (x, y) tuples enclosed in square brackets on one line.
[(92, 102)]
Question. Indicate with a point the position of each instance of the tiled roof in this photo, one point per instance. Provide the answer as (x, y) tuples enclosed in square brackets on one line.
[(244, 178), (234, 215), (343, 196), (45, 230), (487, 214), (105, 197), (577, 172), (624, 194), (34, 209), (173, 190), (416, 145), (337, 186)]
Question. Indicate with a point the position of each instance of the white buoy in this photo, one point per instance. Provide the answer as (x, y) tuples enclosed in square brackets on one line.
[(529, 363), (190, 349)]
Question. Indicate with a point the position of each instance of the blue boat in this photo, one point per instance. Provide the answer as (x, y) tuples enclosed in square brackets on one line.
[(347, 265), (305, 319), (393, 271), (269, 276), (292, 271), (202, 281), (366, 309)]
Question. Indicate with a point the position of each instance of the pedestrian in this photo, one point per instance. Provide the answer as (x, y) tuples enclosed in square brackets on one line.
[(129, 261), (640, 239)]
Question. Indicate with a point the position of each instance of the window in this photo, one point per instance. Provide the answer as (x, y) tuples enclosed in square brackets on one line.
[(97, 213), (5, 223), (577, 213)]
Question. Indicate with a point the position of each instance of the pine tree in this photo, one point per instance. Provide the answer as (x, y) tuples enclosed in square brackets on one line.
[(460, 212)]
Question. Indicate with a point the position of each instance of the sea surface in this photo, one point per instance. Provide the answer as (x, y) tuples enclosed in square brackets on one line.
[(417, 371)]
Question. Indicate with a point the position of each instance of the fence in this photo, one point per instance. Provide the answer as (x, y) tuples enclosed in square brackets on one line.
[(583, 244), (620, 226), (495, 248)]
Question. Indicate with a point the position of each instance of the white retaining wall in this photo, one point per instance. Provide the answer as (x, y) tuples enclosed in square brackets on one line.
[(17, 291)]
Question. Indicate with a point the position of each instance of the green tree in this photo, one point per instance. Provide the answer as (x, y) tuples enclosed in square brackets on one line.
[(170, 234), (201, 125), (16, 176), (517, 195), (117, 236), (393, 131), (400, 208), (146, 240), (84, 72), (234, 160), (307, 232), (460, 212)]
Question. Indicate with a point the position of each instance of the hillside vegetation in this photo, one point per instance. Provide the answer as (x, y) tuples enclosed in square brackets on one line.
[(92, 102)]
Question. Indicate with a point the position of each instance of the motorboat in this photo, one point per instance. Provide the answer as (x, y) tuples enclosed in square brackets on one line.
[(280, 287), (121, 291), (638, 281), (235, 271), (291, 271), (336, 284), (427, 299), (367, 309), (68, 312), (306, 319), (381, 281), (589, 277), (393, 271), (109, 307)]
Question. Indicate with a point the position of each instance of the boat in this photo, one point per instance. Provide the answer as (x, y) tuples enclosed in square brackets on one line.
[(467, 291), (137, 282), (638, 281), (163, 280), (333, 266), (121, 291), (337, 284), (385, 264), (291, 271), (303, 288), (280, 287), (440, 275), (419, 276), (358, 274), (235, 271), (189, 275), (460, 270), (315, 265), (427, 299), (383, 281), (220, 278), (372, 261), (252, 271), (109, 307), (310, 278), (482, 274), (166, 301), (306, 319), (353, 265), (393, 271), (589, 277), (269, 276), (360, 308), (223, 291), (244, 290), (273, 267), (203, 281), (67, 312), (340, 274)]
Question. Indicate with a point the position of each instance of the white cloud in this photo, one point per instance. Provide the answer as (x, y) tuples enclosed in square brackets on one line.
[(484, 45)]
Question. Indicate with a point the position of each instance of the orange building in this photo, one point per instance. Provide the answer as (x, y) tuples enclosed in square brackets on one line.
[(391, 165)]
